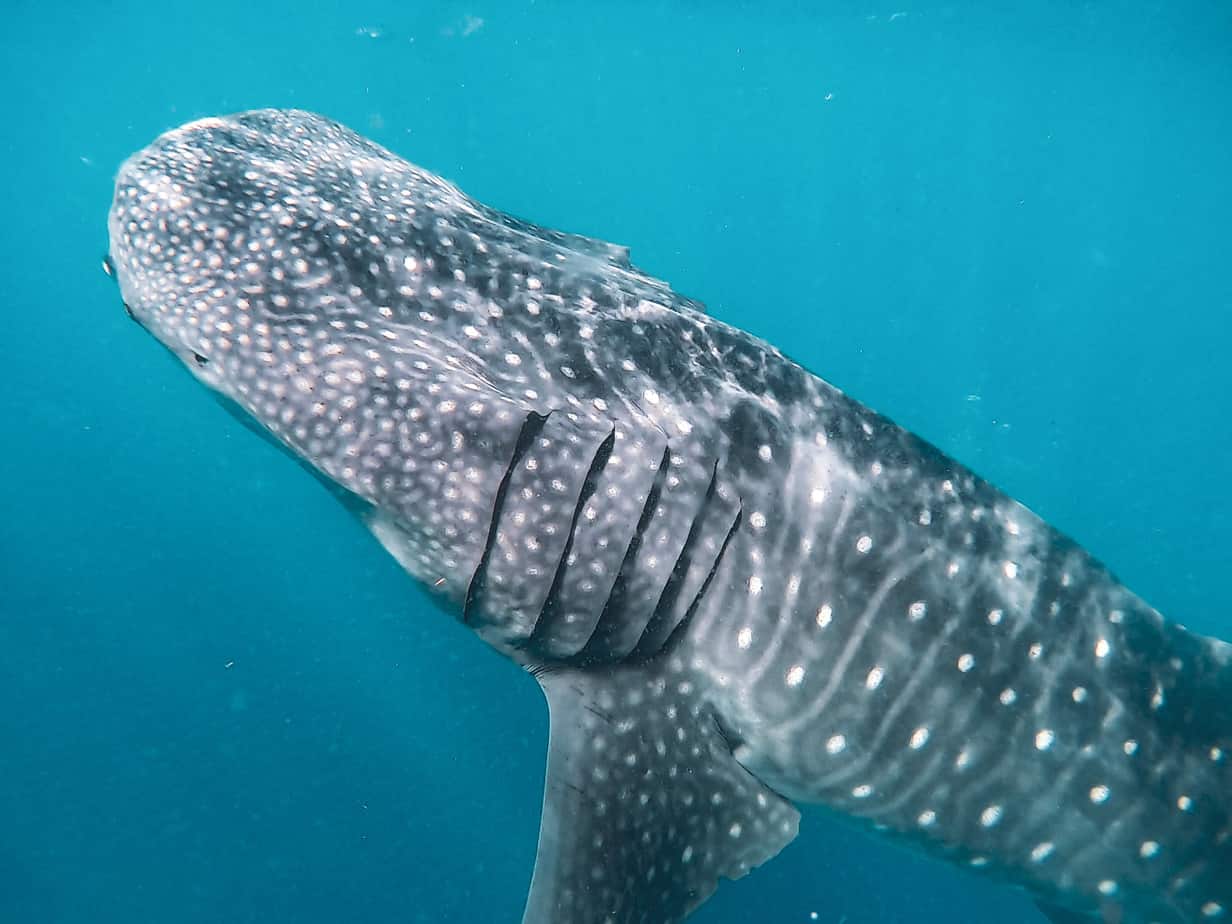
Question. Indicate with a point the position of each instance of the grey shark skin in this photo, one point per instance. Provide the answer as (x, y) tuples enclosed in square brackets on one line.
[(738, 587)]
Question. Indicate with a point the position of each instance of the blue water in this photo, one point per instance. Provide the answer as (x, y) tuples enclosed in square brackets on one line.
[(1005, 225)]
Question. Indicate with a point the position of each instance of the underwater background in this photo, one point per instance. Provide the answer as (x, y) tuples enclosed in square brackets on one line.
[(1005, 225)]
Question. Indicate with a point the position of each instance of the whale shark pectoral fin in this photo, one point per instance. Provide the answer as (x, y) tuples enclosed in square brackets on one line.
[(644, 806)]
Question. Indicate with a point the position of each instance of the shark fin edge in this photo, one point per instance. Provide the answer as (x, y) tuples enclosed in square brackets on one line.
[(644, 806)]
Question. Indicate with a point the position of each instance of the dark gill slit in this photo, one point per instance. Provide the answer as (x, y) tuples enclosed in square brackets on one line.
[(531, 428), (714, 569), (616, 598), (679, 572), (597, 464)]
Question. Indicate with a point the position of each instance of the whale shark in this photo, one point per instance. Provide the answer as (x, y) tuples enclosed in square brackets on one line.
[(740, 590)]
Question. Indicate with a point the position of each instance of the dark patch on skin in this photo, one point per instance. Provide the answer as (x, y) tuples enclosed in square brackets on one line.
[(750, 426), (743, 360), (228, 191), (657, 353), (570, 353), (1194, 706), (491, 282), (786, 382)]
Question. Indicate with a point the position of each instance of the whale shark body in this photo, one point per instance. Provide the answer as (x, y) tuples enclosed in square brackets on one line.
[(739, 588)]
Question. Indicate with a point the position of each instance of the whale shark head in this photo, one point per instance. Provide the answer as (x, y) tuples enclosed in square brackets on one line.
[(349, 304), (234, 245), (426, 356)]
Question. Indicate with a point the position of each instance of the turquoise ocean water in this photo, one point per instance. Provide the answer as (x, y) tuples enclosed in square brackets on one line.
[(1006, 225)]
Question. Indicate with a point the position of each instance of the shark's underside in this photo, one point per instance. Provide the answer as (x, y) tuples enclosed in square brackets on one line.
[(738, 587)]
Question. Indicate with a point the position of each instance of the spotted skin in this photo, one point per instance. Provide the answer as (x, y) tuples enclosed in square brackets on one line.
[(737, 586)]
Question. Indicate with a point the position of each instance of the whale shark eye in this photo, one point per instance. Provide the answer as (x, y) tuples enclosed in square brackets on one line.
[(200, 360)]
